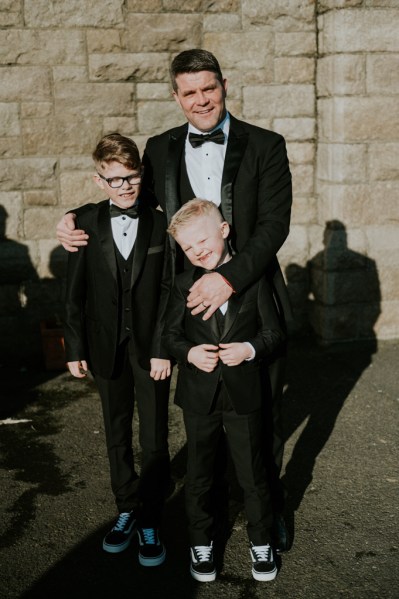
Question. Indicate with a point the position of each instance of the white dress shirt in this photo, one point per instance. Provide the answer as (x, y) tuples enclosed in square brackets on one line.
[(205, 164), (124, 232)]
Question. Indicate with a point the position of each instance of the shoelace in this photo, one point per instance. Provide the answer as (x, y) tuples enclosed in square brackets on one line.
[(122, 521), (262, 552), (149, 536), (203, 553)]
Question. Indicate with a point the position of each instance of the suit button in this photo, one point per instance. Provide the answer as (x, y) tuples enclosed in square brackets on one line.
[(127, 309), (127, 329)]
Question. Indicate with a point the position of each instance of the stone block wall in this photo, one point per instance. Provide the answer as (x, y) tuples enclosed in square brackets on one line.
[(357, 171), (324, 74)]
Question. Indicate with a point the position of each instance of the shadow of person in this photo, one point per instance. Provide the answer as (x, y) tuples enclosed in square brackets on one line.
[(345, 288), (16, 272), (342, 303), (58, 263), (17, 275), (88, 571)]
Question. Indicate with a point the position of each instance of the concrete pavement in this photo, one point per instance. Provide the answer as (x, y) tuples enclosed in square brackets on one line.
[(341, 468)]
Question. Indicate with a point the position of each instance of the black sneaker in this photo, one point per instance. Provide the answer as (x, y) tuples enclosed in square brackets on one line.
[(263, 564), (151, 552), (118, 539), (202, 567)]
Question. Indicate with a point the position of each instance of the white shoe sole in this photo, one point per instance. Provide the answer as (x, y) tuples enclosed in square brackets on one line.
[(264, 576), (210, 577)]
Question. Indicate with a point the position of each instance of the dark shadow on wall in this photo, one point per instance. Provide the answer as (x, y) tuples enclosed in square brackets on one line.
[(339, 291), (17, 274), (25, 301)]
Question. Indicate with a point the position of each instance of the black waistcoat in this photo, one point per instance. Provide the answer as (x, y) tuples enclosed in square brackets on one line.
[(125, 315)]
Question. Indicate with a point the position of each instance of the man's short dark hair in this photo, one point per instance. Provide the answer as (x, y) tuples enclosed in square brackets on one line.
[(193, 61)]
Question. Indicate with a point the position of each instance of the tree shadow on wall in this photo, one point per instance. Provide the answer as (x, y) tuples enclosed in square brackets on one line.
[(339, 291)]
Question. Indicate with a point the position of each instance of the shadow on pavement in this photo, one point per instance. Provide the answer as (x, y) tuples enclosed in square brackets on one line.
[(319, 379), (87, 571)]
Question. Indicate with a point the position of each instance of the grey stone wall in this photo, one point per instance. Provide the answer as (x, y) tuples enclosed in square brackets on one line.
[(324, 74)]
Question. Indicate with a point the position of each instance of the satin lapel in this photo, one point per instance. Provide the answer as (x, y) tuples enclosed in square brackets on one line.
[(175, 150), (236, 146), (105, 236), (142, 242), (233, 308), (217, 333)]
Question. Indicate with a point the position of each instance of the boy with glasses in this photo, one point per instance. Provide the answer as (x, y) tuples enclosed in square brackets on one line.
[(117, 291)]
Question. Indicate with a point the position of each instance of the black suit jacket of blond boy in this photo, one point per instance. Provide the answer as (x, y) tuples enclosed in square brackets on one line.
[(251, 316)]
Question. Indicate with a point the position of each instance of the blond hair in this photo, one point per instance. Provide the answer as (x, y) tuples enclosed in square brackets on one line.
[(191, 210)]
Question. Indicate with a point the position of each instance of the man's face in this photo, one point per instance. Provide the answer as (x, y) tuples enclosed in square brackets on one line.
[(203, 240), (201, 96), (126, 195)]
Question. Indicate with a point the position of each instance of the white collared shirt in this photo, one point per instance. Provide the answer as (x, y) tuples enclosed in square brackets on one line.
[(205, 164), (124, 232)]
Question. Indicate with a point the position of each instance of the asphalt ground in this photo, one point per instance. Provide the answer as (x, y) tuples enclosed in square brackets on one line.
[(341, 469)]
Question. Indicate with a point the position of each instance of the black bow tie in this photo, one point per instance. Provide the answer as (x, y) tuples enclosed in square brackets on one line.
[(197, 140), (133, 211)]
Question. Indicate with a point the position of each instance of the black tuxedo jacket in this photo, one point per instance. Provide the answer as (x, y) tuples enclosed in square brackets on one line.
[(256, 197), (251, 316), (93, 294)]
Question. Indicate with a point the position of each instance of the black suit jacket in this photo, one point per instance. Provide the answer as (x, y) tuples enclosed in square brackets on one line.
[(256, 197), (93, 294), (251, 316)]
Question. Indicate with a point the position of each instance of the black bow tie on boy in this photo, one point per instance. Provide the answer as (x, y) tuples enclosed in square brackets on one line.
[(133, 211), (197, 140)]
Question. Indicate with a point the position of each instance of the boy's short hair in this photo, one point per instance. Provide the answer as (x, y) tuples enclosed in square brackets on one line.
[(191, 210), (114, 147), (193, 61)]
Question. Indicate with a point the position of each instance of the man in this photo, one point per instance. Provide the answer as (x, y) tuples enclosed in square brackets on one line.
[(244, 170)]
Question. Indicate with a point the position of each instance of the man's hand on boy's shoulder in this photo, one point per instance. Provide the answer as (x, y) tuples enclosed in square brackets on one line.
[(160, 369), (70, 237), (208, 293)]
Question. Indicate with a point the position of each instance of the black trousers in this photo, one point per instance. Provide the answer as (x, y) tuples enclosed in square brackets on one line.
[(130, 385), (244, 435)]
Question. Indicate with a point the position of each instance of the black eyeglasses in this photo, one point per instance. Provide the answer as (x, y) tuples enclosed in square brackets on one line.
[(116, 182)]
